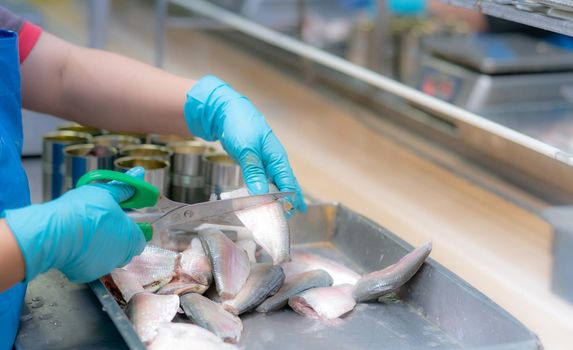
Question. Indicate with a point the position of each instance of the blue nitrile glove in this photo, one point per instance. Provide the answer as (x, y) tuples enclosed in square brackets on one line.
[(84, 233), (407, 7), (214, 111)]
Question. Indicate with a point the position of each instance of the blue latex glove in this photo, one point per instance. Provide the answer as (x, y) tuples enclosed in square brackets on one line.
[(407, 7), (84, 233), (214, 111)]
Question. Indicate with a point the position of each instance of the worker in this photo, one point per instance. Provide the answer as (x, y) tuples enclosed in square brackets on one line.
[(84, 233)]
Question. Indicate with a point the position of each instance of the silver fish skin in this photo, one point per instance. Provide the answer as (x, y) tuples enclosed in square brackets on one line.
[(153, 265), (229, 263), (264, 280), (148, 311), (378, 283), (194, 264), (340, 274), (268, 225), (324, 303), (185, 336), (294, 286), (210, 315), (127, 283)]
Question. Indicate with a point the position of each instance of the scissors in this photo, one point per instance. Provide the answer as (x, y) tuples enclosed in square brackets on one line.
[(175, 213)]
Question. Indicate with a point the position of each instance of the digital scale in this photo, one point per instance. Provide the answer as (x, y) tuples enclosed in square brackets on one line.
[(518, 81)]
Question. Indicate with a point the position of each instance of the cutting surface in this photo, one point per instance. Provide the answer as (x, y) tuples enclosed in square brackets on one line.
[(341, 153)]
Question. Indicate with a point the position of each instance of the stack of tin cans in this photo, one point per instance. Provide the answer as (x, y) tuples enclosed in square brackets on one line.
[(185, 169)]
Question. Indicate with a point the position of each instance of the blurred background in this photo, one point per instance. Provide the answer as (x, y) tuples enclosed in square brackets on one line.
[(518, 76)]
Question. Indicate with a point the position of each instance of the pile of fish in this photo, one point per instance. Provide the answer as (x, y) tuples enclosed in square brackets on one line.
[(215, 279)]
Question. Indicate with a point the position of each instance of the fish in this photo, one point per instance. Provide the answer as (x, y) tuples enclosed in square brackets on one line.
[(180, 287), (154, 267), (212, 316), (157, 285), (264, 280), (194, 264), (378, 283), (212, 294), (235, 233), (324, 303), (250, 247), (267, 223), (174, 239), (186, 336), (127, 283), (340, 274), (294, 286), (229, 263), (147, 311)]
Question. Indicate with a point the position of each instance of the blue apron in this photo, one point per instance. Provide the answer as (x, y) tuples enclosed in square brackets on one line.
[(14, 192)]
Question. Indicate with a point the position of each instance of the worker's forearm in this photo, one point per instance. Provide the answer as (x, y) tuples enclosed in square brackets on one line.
[(102, 89), (106, 90), (12, 266)]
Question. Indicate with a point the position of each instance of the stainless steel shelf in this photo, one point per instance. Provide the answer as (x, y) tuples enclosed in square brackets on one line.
[(511, 13)]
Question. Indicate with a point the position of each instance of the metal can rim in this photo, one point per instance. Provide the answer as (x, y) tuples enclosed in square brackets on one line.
[(146, 146), (166, 163), (54, 135), (70, 148)]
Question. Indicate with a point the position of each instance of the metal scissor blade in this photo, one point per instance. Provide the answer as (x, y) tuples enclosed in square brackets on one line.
[(194, 214)]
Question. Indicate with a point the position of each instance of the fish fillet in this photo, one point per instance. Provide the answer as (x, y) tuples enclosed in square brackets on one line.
[(378, 283), (324, 303), (268, 225), (308, 261), (127, 283), (157, 285), (250, 247), (185, 336), (297, 284), (180, 287), (148, 311), (194, 264), (229, 263), (210, 315), (153, 265), (264, 280)]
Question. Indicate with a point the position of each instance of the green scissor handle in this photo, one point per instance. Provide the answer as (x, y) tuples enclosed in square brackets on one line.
[(147, 230), (146, 195)]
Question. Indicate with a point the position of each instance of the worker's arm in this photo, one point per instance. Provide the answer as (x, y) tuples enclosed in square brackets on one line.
[(109, 91), (102, 89), (11, 260), (84, 233)]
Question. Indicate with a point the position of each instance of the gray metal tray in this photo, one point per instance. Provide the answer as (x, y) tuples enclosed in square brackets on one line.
[(436, 309)]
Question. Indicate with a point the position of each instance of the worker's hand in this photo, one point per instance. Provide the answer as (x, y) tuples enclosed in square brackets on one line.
[(214, 111), (84, 233)]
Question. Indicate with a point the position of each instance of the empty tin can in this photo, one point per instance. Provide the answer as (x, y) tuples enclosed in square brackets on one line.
[(80, 128), (164, 140), (147, 150), (142, 137), (222, 174), (53, 164), (116, 141), (156, 170), (187, 181), (80, 159)]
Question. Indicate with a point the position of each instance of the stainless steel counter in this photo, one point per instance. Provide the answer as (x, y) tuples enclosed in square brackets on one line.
[(58, 314)]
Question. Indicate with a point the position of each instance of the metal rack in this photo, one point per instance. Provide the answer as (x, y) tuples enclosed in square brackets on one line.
[(511, 13)]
